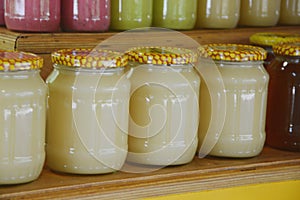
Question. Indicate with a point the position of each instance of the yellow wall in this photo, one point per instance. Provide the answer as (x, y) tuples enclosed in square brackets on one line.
[(288, 190)]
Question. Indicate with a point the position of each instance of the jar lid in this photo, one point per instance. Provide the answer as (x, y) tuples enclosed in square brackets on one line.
[(89, 58), (270, 39), (232, 52), (19, 61), (287, 49), (161, 55)]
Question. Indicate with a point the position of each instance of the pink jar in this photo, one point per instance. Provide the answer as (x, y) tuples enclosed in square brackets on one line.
[(85, 15), (2, 22), (32, 15)]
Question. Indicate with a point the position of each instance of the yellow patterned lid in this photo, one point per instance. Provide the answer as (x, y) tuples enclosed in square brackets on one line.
[(161, 55), (89, 58), (270, 39), (19, 61), (287, 49), (232, 52)]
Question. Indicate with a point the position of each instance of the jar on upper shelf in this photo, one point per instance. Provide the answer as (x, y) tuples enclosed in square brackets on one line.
[(85, 15), (290, 12), (2, 22), (22, 117), (32, 15), (218, 14), (283, 116), (259, 13), (175, 14), (131, 14)]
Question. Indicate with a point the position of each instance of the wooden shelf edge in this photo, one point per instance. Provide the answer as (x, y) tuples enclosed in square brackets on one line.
[(42, 43), (202, 174)]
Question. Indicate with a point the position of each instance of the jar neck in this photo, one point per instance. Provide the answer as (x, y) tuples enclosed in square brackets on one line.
[(179, 68), (222, 63), (20, 73), (88, 70), (244, 64)]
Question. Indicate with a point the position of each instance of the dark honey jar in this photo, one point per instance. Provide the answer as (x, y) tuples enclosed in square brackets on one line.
[(283, 108)]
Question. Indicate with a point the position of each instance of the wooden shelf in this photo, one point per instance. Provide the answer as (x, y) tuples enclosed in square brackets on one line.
[(202, 174), (45, 43)]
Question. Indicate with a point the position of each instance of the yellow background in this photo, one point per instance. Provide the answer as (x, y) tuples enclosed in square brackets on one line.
[(287, 190)]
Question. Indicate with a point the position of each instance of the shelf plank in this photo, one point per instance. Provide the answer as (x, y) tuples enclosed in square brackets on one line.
[(42, 43), (201, 174)]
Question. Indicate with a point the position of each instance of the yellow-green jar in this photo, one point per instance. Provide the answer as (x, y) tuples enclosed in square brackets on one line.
[(130, 14), (175, 14)]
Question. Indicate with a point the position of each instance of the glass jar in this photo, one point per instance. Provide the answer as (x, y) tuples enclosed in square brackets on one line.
[(2, 22), (22, 117), (283, 116), (85, 15), (259, 13), (164, 106), (218, 14), (268, 39), (246, 86), (175, 14), (32, 15), (131, 14), (290, 12), (88, 107)]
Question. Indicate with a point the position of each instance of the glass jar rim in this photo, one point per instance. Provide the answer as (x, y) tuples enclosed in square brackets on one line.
[(85, 69)]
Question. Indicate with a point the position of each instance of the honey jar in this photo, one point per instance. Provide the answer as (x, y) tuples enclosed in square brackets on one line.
[(164, 106), (283, 116), (289, 12), (131, 14), (22, 117), (246, 87), (259, 13), (218, 14), (88, 107), (175, 14)]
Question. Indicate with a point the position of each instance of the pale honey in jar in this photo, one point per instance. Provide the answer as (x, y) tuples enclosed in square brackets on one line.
[(22, 117), (164, 106), (88, 108), (246, 87), (259, 13), (218, 14)]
